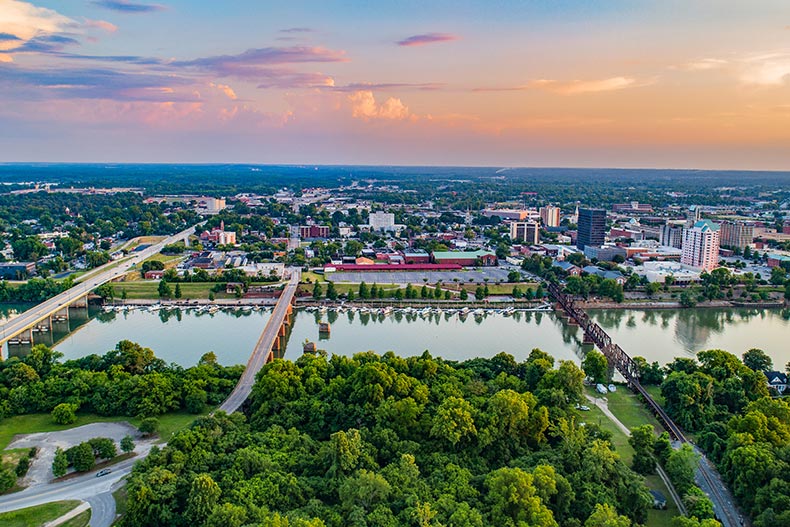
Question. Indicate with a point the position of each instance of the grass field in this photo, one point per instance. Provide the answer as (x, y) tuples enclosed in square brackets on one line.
[(632, 413), (29, 424), (148, 290), (39, 515), (80, 520)]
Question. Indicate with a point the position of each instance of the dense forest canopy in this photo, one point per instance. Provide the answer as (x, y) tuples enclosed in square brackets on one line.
[(388, 441)]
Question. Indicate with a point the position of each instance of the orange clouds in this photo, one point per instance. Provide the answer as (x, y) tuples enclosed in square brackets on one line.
[(364, 106)]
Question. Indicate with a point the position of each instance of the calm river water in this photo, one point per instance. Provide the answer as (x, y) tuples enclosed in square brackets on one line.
[(183, 336)]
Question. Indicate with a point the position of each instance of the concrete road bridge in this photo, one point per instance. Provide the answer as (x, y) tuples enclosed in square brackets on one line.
[(22, 329), (270, 341)]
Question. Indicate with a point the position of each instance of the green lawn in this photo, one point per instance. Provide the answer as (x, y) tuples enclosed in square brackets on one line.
[(32, 423), (39, 515), (80, 520), (120, 501), (656, 518), (148, 290), (630, 410)]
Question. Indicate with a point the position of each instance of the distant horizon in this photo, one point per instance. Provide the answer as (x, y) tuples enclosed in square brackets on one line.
[(389, 165)]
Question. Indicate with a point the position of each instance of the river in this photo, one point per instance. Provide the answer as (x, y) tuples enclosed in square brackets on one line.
[(659, 335)]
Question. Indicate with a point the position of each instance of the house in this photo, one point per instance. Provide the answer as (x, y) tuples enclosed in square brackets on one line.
[(659, 500), (777, 380), (568, 267), (154, 275), (617, 276)]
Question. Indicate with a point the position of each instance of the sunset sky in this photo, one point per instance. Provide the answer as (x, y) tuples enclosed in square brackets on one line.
[(604, 83)]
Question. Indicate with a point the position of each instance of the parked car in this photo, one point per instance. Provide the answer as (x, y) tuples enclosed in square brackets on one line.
[(600, 388)]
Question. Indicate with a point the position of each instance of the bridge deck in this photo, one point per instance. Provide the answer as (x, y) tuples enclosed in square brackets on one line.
[(96, 278), (261, 354)]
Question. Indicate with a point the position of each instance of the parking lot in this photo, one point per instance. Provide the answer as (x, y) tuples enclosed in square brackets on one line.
[(493, 274)]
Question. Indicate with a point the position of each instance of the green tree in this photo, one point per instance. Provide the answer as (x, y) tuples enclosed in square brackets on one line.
[(642, 440), (596, 366), (605, 515), (424, 291), (103, 447), (177, 292), (127, 444), (211, 296), (7, 479), (697, 504), (514, 501), (365, 489), (82, 457), (758, 360), (331, 291), (680, 467), (60, 464), (227, 515), (453, 421), (164, 289), (318, 291), (149, 426), (464, 295), (203, 497), (64, 414), (480, 293), (363, 291)]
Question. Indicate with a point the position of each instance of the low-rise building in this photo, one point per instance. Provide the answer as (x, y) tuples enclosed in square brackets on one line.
[(17, 270), (465, 258)]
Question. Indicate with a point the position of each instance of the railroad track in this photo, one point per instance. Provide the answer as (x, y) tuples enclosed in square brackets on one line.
[(616, 356)]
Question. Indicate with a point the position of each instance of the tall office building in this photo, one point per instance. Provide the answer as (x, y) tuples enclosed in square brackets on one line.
[(701, 246), (525, 232), (738, 235), (671, 236), (550, 216), (592, 228)]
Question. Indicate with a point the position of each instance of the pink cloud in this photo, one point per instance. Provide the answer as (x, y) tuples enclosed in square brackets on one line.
[(109, 27), (427, 38), (364, 106)]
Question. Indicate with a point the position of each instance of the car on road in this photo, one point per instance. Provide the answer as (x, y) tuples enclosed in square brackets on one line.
[(103, 472)]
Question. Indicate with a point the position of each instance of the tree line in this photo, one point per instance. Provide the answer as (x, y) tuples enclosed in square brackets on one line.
[(127, 381), (391, 441)]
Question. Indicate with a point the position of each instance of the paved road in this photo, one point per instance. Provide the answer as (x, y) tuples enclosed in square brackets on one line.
[(79, 488), (263, 347), (48, 307), (102, 509)]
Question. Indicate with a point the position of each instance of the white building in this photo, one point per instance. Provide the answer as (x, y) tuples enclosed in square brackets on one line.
[(659, 271), (382, 221), (701, 246), (525, 232), (550, 216)]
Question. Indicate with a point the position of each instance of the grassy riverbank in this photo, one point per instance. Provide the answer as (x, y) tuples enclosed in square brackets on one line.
[(39, 515)]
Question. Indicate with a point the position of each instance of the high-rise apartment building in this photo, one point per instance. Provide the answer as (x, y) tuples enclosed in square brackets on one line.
[(701, 246), (734, 234), (671, 236), (591, 227), (550, 216), (525, 232)]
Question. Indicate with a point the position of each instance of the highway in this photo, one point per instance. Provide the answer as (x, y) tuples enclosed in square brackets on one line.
[(263, 346), (96, 278)]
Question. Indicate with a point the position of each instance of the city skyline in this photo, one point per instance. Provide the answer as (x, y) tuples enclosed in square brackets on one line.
[(675, 85)]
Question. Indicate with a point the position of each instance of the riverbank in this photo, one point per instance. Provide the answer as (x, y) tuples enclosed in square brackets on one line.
[(718, 304)]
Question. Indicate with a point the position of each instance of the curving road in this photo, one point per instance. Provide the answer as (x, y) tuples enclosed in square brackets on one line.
[(96, 278)]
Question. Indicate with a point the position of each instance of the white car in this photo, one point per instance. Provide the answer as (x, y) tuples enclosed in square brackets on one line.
[(600, 388)]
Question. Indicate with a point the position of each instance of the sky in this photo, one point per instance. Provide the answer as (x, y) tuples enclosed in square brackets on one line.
[(569, 83)]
